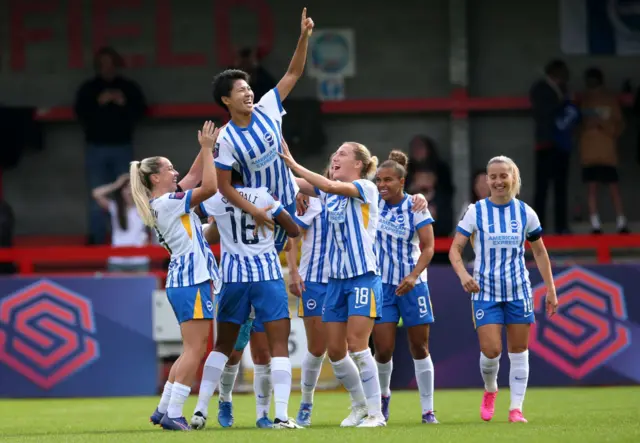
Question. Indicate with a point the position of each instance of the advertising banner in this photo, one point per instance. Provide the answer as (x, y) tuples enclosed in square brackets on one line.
[(594, 339), (77, 337)]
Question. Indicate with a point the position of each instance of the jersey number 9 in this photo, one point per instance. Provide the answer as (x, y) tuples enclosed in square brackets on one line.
[(244, 227)]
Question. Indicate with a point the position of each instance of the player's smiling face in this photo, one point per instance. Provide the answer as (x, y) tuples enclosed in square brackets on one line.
[(389, 184), (499, 179), (167, 179), (344, 165), (241, 98)]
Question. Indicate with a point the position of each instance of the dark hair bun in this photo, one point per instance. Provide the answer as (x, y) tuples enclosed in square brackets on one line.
[(399, 157)]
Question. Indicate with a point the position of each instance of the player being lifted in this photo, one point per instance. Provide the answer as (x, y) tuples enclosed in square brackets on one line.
[(251, 140)]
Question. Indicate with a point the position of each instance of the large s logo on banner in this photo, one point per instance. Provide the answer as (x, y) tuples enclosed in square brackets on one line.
[(588, 329), (47, 333)]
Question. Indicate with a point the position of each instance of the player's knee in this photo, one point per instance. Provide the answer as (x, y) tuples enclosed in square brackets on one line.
[(491, 351), (517, 348), (336, 352), (419, 349), (260, 356), (196, 346), (316, 348), (383, 355)]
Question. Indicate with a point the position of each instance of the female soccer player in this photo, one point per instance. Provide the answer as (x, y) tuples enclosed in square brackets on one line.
[(252, 331), (354, 293), (252, 277), (192, 270), (404, 282), (309, 283), (500, 287)]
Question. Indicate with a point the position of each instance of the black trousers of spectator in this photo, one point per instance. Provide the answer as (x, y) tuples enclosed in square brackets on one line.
[(552, 165)]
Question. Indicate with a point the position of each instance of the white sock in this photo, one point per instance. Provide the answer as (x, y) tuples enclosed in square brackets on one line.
[(621, 221), (424, 377), (518, 378), (166, 396), (370, 380), (179, 394), (347, 373), (489, 368), (281, 379), (262, 389), (384, 372), (595, 221), (311, 367), (213, 367), (227, 381)]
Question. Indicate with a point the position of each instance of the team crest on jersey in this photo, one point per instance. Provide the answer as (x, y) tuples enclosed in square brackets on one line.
[(268, 137), (515, 225), (216, 150), (177, 195), (275, 197)]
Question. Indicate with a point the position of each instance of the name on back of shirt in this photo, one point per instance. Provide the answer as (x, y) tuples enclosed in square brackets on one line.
[(250, 198)]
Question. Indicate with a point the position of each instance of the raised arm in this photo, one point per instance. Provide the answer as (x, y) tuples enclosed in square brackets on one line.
[(194, 176), (101, 193), (296, 67), (317, 180), (207, 138)]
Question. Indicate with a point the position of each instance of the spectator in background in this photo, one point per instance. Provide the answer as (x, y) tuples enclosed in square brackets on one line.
[(127, 228), (602, 124), (108, 106), (554, 117), (423, 156), (260, 80), (479, 190)]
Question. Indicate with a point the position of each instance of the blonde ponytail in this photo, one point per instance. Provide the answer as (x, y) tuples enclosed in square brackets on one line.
[(514, 170), (369, 162), (139, 178)]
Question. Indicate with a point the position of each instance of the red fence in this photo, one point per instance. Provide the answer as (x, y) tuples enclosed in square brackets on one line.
[(27, 258), (459, 104)]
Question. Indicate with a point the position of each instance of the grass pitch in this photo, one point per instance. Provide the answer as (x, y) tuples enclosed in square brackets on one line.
[(555, 415)]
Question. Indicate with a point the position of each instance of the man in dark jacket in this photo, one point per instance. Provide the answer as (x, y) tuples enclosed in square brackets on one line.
[(554, 120), (108, 106)]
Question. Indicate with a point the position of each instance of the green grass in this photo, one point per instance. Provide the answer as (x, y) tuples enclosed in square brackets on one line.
[(555, 415)]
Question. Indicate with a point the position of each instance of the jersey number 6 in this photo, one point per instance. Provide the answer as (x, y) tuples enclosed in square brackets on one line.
[(244, 227)]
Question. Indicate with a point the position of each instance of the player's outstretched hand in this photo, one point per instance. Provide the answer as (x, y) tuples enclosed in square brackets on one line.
[(469, 284), (406, 285), (208, 135), (263, 220), (552, 302), (419, 203), (306, 24)]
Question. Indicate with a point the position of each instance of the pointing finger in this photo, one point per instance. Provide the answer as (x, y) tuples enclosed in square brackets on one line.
[(304, 13)]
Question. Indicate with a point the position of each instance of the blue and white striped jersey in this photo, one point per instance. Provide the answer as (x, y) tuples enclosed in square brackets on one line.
[(498, 233), (397, 240), (353, 223), (246, 257), (179, 230), (254, 150), (314, 261)]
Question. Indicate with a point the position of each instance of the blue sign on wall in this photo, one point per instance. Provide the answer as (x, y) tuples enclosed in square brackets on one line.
[(77, 337)]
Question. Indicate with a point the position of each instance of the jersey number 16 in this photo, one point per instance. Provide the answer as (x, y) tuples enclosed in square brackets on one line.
[(244, 227)]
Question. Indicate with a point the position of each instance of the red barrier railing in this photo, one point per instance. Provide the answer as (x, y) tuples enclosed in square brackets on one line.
[(457, 102), (27, 258)]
